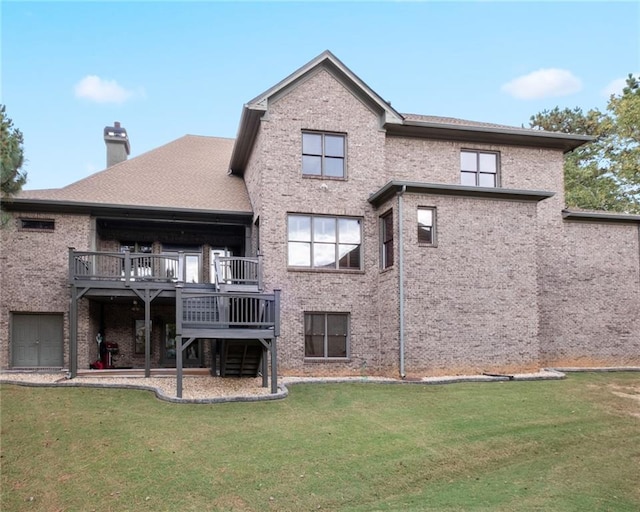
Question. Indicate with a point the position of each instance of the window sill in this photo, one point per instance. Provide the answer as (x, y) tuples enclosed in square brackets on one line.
[(435, 246), (324, 178), (326, 270), (316, 360)]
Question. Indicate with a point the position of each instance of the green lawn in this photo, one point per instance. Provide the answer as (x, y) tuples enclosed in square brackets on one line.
[(572, 444)]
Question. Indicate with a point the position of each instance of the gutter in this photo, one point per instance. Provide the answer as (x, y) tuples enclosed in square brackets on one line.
[(489, 134), (508, 194), (401, 276), (600, 216)]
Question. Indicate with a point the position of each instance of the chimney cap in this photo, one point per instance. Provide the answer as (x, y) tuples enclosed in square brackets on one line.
[(117, 133)]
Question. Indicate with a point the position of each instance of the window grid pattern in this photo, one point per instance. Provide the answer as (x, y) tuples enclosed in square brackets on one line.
[(323, 242), (323, 154), (479, 168), (326, 335)]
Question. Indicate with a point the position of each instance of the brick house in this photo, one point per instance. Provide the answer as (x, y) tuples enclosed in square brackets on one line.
[(334, 234)]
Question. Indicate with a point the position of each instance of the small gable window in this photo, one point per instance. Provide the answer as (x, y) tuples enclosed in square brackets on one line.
[(323, 154)]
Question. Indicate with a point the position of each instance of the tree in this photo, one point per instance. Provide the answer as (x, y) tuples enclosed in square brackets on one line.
[(12, 177), (603, 174)]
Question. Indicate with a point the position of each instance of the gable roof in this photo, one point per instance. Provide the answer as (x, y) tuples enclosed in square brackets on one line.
[(255, 109), (190, 173), (409, 125)]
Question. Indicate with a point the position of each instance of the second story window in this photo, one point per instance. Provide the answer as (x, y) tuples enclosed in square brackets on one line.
[(479, 169), (323, 155), (322, 242)]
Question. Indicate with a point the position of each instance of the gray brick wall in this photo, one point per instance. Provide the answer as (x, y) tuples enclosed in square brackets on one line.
[(471, 301), (320, 103), (592, 313), (34, 270)]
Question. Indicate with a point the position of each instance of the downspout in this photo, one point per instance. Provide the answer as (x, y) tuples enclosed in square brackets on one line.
[(401, 277)]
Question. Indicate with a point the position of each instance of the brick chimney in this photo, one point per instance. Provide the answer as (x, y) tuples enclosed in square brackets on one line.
[(115, 137)]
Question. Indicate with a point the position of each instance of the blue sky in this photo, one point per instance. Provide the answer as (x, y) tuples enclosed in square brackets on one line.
[(165, 69)]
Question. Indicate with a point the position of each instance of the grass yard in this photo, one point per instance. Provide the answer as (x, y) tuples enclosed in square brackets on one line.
[(545, 446)]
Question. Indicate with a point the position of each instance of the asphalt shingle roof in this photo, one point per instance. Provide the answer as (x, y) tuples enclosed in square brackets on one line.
[(190, 172), (459, 122)]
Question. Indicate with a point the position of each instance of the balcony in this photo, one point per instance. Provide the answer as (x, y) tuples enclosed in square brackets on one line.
[(124, 269)]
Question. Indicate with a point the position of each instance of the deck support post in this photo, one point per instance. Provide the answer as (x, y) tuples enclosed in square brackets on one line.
[(274, 367), (73, 333), (265, 368), (274, 344), (179, 304), (147, 334)]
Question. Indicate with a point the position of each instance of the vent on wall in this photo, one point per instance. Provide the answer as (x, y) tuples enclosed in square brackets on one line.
[(38, 224)]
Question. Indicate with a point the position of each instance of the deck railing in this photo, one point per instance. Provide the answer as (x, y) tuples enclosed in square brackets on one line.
[(124, 266), (229, 310), (235, 270), (238, 272)]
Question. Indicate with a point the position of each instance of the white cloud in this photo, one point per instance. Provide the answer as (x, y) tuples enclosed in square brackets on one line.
[(97, 89), (615, 86), (544, 83)]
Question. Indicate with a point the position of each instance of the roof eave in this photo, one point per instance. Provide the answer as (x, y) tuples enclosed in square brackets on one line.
[(600, 217), (489, 135), (394, 187), (126, 211), (247, 133)]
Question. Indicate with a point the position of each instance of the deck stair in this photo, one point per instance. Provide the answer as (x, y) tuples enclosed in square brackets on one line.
[(241, 358)]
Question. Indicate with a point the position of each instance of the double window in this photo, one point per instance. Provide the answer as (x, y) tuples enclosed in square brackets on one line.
[(479, 168), (323, 154), (326, 335), (318, 241)]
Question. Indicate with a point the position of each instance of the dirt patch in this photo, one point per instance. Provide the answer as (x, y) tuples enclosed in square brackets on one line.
[(632, 393)]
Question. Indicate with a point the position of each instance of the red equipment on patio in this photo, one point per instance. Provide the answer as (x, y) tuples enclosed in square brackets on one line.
[(108, 351)]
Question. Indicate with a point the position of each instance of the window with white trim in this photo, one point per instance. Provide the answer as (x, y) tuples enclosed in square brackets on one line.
[(323, 154), (326, 335), (479, 168), (323, 242)]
